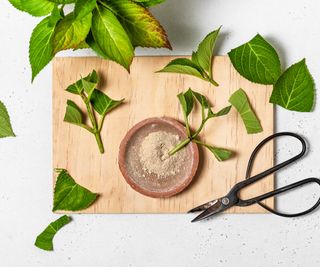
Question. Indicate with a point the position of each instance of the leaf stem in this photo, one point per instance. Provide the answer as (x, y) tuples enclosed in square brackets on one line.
[(96, 129), (209, 79), (99, 142), (195, 135), (179, 146)]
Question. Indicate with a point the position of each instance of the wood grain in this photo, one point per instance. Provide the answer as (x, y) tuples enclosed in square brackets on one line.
[(149, 94)]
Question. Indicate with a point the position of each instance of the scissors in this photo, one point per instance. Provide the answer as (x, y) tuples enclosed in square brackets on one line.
[(232, 198)]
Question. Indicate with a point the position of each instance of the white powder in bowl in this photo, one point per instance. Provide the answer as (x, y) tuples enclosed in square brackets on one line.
[(154, 154)]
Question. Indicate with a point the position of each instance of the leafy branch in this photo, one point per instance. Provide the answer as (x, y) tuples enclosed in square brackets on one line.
[(94, 100), (200, 64), (187, 101), (111, 28)]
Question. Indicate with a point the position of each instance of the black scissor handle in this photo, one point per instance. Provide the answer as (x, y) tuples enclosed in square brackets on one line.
[(274, 169)]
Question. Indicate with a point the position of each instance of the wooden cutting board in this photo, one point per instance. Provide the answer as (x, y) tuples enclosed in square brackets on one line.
[(150, 94)]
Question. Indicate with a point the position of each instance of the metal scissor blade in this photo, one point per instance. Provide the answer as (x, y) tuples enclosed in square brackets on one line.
[(215, 208), (204, 206)]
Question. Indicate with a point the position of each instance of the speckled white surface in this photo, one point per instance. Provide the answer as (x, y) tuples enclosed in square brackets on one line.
[(156, 240)]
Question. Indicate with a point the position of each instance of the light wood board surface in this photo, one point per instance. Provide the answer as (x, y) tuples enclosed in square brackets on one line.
[(150, 94)]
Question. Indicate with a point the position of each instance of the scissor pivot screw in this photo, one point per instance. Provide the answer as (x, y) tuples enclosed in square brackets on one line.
[(225, 201)]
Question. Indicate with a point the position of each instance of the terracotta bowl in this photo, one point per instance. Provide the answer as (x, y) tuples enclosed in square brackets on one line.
[(150, 184)]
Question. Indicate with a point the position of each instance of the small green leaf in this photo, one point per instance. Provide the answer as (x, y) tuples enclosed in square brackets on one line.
[(5, 124), (83, 7), (203, 56), (70, 196), (184, 66), (202, 100), (75, 88), (295, 89), (69, 33), (221, 154), (149, 3), (222, 112), (102, 103), (40, 47), (186, 101), (45, 239), (240, 101), (73, 113), (257, 61), (110, 37), (36, 8), (141, 26)]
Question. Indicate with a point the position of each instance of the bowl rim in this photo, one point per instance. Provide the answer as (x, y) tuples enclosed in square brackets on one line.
[(122, 153)]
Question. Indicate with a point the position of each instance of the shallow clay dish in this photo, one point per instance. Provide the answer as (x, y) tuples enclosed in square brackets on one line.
[(150, 184)]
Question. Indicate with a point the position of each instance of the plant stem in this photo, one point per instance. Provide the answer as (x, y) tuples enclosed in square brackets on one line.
[(96, 129), (209, 78), (99, 142), (179, 146), (195, 135)]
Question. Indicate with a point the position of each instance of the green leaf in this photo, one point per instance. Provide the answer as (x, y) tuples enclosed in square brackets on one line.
[(111, 38), (186, 101), (202, 100), (83, 8), (5, 124), (295, 89), (149, 3), (40, 47), (203, 56), (45, 239), (221, 154), (36, 8), (73, 114), (240, 101), (69, 33), (184, 66), (63, 1), (70, 196), (141, 26), (102, 103), (75, 88), (222, 112), (55, 16), (257, 61)]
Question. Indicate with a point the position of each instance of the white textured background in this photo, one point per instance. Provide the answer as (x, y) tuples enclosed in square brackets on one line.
[(293, 26)]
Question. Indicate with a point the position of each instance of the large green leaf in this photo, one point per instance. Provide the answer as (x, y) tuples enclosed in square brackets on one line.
[(183, 66), (5, 125), (34, 7), (69, 33), (257, 61), (141, 26), (111, 38), (70, 196), (102, 103), (83, 8), (204, 54), (295, 88), (45, 239), (240, 101), (40, 46)]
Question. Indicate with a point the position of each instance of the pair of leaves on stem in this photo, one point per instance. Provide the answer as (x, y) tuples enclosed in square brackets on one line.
[(5, 124), (187, 101), (111, 28), (68, 196), (94, 100), (259, 62), (200, 64)]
